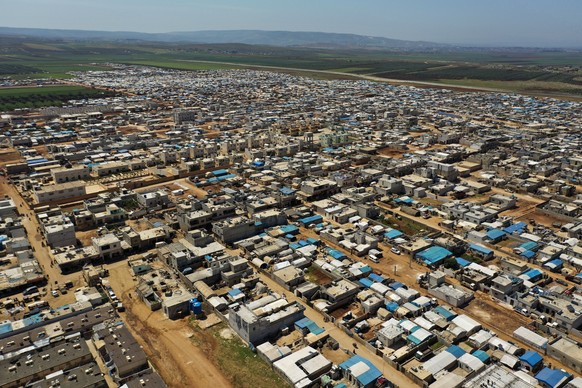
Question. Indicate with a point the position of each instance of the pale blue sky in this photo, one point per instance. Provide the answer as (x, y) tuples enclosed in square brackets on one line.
[(554, 23)]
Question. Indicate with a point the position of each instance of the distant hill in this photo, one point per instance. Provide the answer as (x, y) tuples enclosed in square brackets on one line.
[(252, 37)]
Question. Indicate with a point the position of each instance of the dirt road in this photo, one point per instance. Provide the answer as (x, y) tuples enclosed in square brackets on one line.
[(341, 337), (166, 342), (491, 314), (31, 225)]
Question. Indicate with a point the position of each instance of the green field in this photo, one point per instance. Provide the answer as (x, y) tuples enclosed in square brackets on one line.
[(235, 360), (36, 97), (551, 72)]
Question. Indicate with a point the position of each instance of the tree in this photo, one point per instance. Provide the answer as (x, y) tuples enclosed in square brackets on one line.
[(451, 263)]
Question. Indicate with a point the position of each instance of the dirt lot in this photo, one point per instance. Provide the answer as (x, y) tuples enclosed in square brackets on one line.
[(9, 155), (393, 153), (129, 129), (317, 276), (166, 342), (85, 236), (543, 218), (496, 315), (193, 189)]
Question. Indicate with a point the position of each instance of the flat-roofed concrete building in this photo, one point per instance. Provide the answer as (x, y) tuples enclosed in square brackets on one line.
[(121, 352), (40, 362), (59, 192), (257, 321), (70, 174)]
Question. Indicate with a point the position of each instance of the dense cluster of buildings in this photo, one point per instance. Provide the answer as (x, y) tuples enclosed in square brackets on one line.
[(266, 198)]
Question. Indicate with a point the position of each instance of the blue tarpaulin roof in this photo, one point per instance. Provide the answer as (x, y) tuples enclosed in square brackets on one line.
[(312, 219), (528, 254), (456, 351), (302, 323), (480, 249), (392, 306), (529, 245), (553, 264), (406, 200), (393, 233), (366, 269), (434, 255), (533, 273), (531, 358), (314, 329), (366, 282), (495, 234), (36, 161), (368, 377), (481, 355), (448, 315), (313, 241), (462, 262), (234, 292), (289, 229), (515, 227), (219, 172), (376, 278), (6, 328), (307, 323), (335, 253), (395, 285), (286, 190), (552, 377)]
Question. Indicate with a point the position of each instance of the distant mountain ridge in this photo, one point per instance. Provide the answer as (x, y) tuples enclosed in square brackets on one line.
[(251, 37)]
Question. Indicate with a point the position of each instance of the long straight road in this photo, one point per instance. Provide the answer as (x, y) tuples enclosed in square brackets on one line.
[(30, 223)]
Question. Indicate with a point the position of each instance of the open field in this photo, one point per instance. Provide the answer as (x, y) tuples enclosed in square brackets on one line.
[(540, 72), (35, 97)]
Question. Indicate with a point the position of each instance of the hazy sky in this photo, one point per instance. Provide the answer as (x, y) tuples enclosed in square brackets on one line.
[(481, 22)]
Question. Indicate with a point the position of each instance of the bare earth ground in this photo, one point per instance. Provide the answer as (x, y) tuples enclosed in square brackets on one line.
[(9, 155), (166, 342), (543, 219)]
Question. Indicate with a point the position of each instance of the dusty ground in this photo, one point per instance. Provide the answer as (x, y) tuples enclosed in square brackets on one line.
[(9, 155), (85, 236), (166, 342), (335, 356), (543, 219), (192, 189), (129, 129), (496, 315)]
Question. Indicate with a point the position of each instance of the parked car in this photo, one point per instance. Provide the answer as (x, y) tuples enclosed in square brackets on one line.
[(395, 250)]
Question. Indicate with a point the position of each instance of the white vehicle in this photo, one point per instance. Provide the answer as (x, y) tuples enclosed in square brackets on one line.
[(374, 258), (54, 293), (395, 250)]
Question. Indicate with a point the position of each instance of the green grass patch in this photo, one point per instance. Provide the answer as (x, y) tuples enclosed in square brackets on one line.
[(436, 346), (236, 361), (406, 226), (317, 276), (37, 97), (352, 69), (181, 65)]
